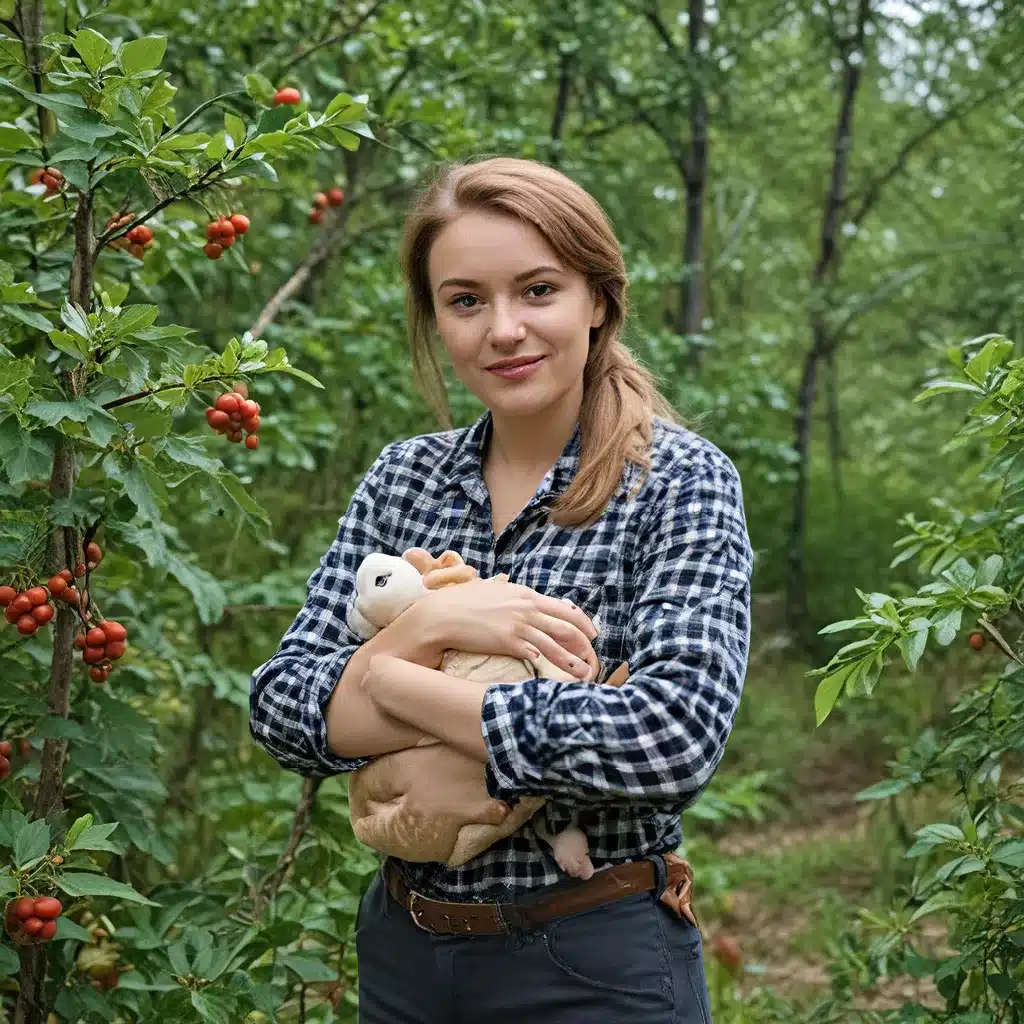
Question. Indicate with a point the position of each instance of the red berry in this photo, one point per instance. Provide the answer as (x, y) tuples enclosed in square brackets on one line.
[(6, 748), (5, 768), (47, 907), (48, 930), (225, 227), (52, 183), (977, 640), (235, 436), (113, 632), (251, 425), (213, 250), (249, 408), (241, 388), (93, 552), (213, 231), (37, 595), (320, 200), (65, 575), (27, 625), (11, 614), (7, 595), (288, 95), (316, 216), (80, 641), (92, 655), (54, 173), (226, 241), (228, 403), (140, 233), (32, 925), (240, 223), (335, 196), (42, 613), (56, 585), (219, 420), (252, 442), (115, 650), (36, 176), (95, 637), (97, 675), (21, 604), (71, 595), (24, 908)]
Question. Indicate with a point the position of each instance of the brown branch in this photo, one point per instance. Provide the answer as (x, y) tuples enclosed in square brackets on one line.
[(265, 892), (338, 37), (127, 399)]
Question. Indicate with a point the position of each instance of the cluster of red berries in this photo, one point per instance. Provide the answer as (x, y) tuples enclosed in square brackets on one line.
[(100, 646), (332, 197), (287, 95), (48, 176), (27, 610), (234, 413), (221, 234), (137, 241), (30, 922), (7, 752)]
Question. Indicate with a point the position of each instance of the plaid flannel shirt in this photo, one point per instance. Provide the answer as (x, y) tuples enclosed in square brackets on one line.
[(667, 569)]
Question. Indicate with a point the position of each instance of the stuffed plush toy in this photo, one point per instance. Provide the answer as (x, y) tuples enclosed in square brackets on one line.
[(379, 811)]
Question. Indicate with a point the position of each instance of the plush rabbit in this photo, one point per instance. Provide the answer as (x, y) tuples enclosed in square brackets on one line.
[(380, 814)]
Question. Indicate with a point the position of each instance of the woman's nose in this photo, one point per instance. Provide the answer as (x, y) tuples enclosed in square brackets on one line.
[(506, 323)]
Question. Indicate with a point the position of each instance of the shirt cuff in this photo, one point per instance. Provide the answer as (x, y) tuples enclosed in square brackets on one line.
[(514, 724), (314, 725)]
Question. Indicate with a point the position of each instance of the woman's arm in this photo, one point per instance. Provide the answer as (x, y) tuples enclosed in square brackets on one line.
[(305, 705), (661, 736)]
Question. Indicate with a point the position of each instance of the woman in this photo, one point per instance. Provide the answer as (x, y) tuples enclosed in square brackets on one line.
[(577, 483)]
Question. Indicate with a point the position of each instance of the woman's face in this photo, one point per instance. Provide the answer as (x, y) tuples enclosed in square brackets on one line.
[(500, 293)]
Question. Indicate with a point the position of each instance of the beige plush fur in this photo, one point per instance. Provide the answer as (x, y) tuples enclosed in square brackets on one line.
[(383, 816)]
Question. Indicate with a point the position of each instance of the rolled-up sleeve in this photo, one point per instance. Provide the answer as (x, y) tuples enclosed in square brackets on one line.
[(288, 693), (660, 737)]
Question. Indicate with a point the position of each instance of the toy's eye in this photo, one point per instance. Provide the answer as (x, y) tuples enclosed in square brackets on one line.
[(382, 581)]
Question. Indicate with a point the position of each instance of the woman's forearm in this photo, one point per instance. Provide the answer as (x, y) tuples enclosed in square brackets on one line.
[(356, 724)]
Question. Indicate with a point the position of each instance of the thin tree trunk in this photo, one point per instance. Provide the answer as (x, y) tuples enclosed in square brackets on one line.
[(30, 1008), (561, 107), (821, 340), (835, 436), (691, 304)]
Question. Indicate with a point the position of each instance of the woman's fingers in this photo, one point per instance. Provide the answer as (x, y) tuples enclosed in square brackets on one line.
[(556, 654), (558, 609)]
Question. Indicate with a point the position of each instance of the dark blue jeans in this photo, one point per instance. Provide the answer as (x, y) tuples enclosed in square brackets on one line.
[(628, 962)]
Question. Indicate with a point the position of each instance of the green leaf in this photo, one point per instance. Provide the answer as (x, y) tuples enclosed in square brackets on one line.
[(52, 413), (13, 139), (94, 50), (31, 842), (838, 627), (912, 647), (994, 351), (940, 901), (23, 455), (80, 825), (70, 344), (307, 969), (260, 89), (947, 626), (946, 386), (10, 963), (28, 317), (883, 789), (231, 486), (217, 147), (190, 451), (207, 593), (1010, 853), (828, 691), (216, 1005), (940, 834), (135, 318), (94, 837), (340, 102), (140, 483), (80, 883), (235, 127), (990, 570), (142, 54), (76, 320)]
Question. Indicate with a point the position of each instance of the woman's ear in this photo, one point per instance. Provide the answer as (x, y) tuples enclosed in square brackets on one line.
[(600, 310)]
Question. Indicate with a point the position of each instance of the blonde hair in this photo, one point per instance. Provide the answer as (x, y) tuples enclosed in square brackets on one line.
[(619, 395)]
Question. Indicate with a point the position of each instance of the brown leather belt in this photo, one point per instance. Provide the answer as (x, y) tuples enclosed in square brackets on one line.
[(604, 886)]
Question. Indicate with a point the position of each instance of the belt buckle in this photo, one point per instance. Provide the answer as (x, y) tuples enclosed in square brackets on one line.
[(413, 897)]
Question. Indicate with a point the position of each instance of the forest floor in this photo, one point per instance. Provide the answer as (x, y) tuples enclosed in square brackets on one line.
[(787, 888)]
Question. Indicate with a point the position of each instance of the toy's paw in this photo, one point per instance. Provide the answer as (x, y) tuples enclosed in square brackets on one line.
[(572, 853), (576, 867)]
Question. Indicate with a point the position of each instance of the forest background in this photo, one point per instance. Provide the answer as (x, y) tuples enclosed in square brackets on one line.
[(820, 207)]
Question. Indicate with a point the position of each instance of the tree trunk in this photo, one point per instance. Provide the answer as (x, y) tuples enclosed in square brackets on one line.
[(821, 340), (63, 552), (691, 300), (561, 107)]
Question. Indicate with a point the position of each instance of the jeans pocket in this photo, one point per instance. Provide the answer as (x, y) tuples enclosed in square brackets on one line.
[(618, 947), (685, 947)]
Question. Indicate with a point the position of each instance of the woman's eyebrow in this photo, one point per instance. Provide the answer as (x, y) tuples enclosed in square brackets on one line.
[(467, 282)]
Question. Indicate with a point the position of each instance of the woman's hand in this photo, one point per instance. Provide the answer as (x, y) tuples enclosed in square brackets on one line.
[(498, 617)]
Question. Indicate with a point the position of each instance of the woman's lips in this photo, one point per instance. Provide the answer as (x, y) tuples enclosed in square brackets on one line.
[(518, 372)]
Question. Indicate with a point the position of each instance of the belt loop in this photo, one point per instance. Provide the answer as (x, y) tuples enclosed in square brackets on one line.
[(660, 874)]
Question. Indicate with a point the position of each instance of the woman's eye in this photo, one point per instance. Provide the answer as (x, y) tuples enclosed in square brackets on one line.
[(532, 286), (461, 298)]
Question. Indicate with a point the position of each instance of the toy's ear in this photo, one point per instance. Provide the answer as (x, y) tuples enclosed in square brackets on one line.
[(449, 559), (421, 559)]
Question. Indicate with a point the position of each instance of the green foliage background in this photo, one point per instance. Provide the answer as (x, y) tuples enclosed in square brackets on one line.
[(208, 546)]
